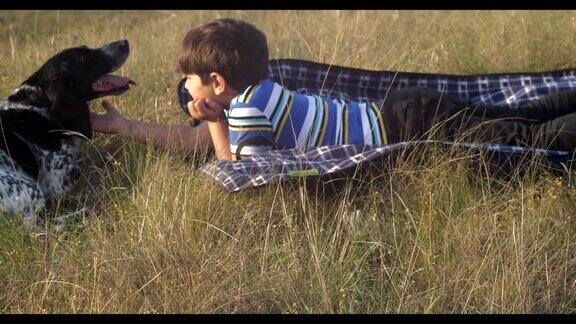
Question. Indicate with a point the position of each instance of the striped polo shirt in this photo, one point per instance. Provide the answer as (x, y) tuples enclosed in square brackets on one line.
[(266, 116)]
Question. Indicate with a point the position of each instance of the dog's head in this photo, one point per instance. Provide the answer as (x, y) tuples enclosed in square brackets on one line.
[(71, 78)]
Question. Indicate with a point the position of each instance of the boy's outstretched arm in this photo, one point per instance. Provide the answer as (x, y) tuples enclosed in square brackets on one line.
[(179, 137)]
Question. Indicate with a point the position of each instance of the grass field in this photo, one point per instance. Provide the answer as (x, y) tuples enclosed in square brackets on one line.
[(430, 237)]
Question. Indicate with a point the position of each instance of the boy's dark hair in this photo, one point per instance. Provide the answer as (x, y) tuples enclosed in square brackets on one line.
[(233, 48)]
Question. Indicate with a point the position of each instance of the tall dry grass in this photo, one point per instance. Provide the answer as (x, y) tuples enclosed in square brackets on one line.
[(436, 234)]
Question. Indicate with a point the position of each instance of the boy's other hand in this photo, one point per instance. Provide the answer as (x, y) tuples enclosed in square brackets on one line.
[(111, 122), (206, 109)]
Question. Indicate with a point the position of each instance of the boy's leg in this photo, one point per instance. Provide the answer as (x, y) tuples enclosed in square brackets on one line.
[(536, 111), (414, 113), (556, 134)]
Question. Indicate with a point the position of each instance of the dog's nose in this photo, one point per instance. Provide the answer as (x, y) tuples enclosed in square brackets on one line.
[(121, 45), (124, 43)]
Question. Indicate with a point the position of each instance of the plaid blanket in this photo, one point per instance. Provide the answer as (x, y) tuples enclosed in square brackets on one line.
[(505, 89)]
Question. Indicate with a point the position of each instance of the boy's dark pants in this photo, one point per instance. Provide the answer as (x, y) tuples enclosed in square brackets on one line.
[(422, 113)]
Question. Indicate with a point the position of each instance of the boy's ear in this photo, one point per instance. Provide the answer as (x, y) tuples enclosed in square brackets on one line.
[(218, 83)]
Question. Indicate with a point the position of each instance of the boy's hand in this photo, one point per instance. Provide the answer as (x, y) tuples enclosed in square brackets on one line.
[(111, 122), (206, 109)]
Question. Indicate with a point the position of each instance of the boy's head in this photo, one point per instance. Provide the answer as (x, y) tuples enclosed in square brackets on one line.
[(231, 48)]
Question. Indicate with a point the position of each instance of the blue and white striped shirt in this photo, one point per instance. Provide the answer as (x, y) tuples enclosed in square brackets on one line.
[(267, 116)]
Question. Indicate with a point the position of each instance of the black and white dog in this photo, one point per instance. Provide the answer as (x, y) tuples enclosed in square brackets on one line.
[(43, 122)]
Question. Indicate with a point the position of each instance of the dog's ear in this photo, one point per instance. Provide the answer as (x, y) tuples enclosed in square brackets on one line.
[(68, 109)]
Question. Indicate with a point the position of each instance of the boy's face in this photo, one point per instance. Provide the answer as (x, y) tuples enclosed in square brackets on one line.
[(197, 90)]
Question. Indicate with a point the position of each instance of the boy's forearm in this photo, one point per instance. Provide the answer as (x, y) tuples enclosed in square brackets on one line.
[(220, 139), (179, 137)]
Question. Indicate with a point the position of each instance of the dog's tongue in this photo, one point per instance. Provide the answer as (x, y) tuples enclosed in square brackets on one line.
[(111, 81)]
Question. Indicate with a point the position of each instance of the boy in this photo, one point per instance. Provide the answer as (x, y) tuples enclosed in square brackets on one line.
[(226, 64)]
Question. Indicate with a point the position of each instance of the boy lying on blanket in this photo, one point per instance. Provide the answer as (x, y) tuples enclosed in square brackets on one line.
[(226, 65)]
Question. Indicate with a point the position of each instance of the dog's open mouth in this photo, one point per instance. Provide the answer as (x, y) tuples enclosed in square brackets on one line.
[(112, 84)]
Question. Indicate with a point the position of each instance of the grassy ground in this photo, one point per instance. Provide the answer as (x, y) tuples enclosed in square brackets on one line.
[(436, 236)]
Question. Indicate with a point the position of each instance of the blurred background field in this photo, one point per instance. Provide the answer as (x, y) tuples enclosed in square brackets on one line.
[(430, 237)]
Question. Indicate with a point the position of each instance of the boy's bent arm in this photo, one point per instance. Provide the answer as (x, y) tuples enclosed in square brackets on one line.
[(220, 139)]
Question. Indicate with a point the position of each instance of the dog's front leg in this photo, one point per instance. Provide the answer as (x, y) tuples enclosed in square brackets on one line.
[(59, 170)]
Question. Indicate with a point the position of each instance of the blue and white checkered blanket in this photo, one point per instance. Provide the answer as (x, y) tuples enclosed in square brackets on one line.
[(505, 89)]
